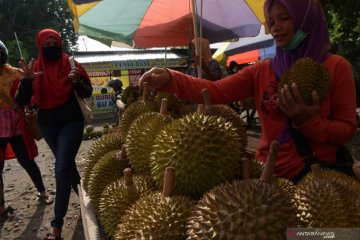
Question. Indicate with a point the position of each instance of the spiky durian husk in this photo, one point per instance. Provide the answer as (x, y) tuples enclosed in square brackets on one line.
[(204, 150), (230, 115), (349, 189), (131, 113), (117, 197), (247, 209), (130, 94), (321, 204), (108, 169), (106, 143), (286, 185), (89, 128), (309, 75), (141, 137), (256, 168), (155, 217)]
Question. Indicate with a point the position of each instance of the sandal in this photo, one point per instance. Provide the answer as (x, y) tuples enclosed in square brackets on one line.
[(45, 199), (51, 236)]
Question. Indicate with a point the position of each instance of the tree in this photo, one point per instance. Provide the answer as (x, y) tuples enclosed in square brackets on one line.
[(27, 18), (344, 27)]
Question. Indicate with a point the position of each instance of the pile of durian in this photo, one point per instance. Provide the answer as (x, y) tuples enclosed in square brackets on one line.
[(171, 170), (91, 133)]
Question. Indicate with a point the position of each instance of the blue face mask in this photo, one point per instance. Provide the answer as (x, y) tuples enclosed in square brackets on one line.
[(297, 39)]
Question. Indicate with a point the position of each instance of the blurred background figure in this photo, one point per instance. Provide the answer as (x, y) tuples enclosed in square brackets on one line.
[(210, 67)]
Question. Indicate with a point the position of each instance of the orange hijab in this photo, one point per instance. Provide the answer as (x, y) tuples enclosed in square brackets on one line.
[(53, 88)]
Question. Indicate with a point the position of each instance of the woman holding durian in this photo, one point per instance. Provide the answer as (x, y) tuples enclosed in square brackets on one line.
[(318, 102)]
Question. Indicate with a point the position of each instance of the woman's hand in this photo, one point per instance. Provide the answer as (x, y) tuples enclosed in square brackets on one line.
[(156, 78), (293, 105), (28, 69), (75, 75)]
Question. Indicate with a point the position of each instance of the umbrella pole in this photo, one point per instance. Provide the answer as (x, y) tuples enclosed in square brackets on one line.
[(196, 34)]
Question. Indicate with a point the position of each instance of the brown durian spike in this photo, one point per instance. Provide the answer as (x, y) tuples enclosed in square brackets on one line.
[(146, 92), (268, 171), (245, 169), (169, 180), (201, 109), (316, 170), (121, 155), (163, 107), (206, 96), (128, 177)]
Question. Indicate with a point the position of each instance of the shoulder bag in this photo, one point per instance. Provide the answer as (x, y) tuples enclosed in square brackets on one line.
[(85, 108)]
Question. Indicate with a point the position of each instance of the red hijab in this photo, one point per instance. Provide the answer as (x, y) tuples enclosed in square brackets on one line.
[(53, 88)]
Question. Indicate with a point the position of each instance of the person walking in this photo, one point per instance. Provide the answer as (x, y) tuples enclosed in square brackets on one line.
[(15, 138), (51, 83), (299, 29)]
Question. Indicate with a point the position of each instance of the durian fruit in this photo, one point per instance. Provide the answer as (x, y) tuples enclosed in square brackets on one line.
[(159, 216), (141, 136), (246, 209), (326, 198), (130, 94), (205, 150), (229, 114), (107, 170), (119, 196), (309, 75), (106, 143), (106, 128), (89, 128), (135, 110)]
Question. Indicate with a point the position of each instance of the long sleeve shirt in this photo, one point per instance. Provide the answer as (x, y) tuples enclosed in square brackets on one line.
[(334, 125)]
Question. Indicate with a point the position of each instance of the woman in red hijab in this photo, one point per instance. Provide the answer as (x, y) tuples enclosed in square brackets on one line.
[(50, 84)]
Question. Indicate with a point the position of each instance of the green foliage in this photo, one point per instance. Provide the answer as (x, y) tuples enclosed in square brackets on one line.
[(27, 18), (344, 27)]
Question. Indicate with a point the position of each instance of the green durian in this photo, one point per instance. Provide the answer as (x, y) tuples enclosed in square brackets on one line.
[(204, 150), (340, 189), (130, 94), (230, 115), (117, 197), (141, 137), (131, 113), (107, 170), (155, 217), (89, 128), (247, 209), (309, 75), (106, 143)]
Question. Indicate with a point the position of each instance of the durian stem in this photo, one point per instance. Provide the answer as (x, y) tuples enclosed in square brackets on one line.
[(146, 91), (268, 171), (206, 96), (169, 180), (316, 170), (164, 105), (123, 152), (201, 109), (245, 168), (128, 177)]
